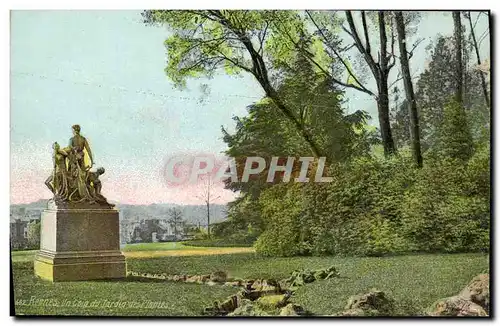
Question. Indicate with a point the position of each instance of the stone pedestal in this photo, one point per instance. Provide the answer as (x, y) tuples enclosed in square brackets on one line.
[(79, 244)]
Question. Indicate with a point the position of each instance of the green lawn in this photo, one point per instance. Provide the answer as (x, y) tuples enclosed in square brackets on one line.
[(130, 297), (414, 281)]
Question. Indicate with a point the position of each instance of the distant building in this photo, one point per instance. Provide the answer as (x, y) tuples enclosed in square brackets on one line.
[(147, 230), (19, 225)]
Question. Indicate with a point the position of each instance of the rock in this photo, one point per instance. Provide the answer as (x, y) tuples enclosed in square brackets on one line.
[(478, 291), (332, 272), (210, 283), (374, 301), (272, 301), (218, 277), (358, 312), (266, 286), (176, 278), (456, 306), (292, 309), (229, 305), (320, 274), (204, 278), (233, 283), (193, 279), (247, 308)]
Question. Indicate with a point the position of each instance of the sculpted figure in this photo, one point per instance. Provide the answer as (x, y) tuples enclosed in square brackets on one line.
[(95, 184), (77, 144), (71, 180), (58, 181)]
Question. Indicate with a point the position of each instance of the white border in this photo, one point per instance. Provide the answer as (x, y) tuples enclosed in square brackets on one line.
[(145, 4)]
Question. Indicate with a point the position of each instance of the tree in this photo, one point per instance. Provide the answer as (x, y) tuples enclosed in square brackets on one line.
[(478, 57), (175, 220), (380, 68), (459, 67), (454, 138), (234, 40), (410, 94), (436, 86), (208, 197), (33, 235)]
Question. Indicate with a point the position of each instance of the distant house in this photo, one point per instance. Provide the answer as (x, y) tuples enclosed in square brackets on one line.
[(19, 225), (147, 230)]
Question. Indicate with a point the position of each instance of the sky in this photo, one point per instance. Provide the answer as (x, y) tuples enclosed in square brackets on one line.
[(104, 70)]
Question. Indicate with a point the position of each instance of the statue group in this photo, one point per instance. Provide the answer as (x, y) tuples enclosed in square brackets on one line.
[(72, 180)]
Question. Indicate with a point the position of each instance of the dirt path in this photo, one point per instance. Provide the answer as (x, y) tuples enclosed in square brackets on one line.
[(187, 252)]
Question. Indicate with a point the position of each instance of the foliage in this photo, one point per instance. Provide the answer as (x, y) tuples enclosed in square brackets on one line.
[(375, 205), (379, 207), (34, 234)]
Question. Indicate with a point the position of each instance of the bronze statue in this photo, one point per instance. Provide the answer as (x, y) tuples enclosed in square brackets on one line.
[(58, 181), (71, 180)]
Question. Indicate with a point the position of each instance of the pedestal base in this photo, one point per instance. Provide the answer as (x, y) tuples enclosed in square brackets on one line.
[(79, 244), (79, 266)]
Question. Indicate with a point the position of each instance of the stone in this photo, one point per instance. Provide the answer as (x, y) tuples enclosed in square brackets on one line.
[(457, 306), (292, 309), (210, 283), (478, 291), (204, 278), (229, 305), (272, 301), (266, 286), (358, 312), (374, 301), (193, 279), (79, 244), (218, 277), (247, 308), (233, 283)]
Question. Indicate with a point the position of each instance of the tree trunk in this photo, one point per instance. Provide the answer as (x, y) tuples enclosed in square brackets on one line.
[(410, 94), (383, 115), (476, 48), (208, 219), (380, 71), (459, 69), (260, 73)]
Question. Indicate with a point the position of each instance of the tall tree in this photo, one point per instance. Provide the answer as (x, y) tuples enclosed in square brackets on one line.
[(380, 70), (175, 220), (379, 67), (478, 57), (459, 67), (410, 94), (235, 40), (208, 197)]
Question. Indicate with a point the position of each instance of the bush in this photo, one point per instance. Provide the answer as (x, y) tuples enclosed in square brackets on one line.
[(377, 206), (281, 214)]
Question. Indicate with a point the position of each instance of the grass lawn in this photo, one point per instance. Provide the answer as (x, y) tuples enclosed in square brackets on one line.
[(130, 297), (151, 250), (414, 281)]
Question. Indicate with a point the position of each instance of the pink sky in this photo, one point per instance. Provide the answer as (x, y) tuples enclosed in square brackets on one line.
[(125, 185)]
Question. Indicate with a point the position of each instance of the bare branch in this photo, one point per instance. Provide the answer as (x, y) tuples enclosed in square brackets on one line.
[(415, 45), (365, 29), (483, 36), (337, 54), (310, 56), (354, 34), (261, 39)]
